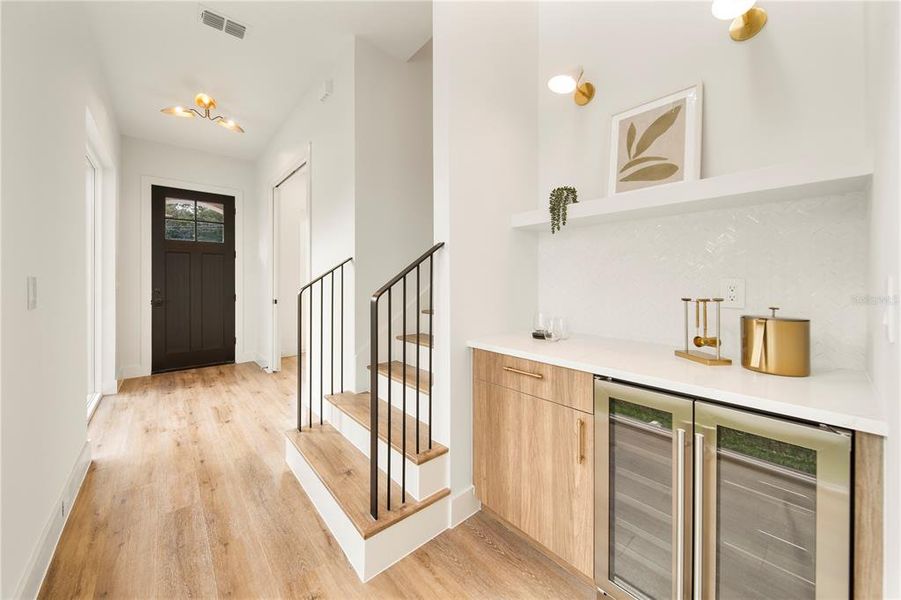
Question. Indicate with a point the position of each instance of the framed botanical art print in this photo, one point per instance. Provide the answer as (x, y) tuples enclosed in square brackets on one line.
[(656, 143)]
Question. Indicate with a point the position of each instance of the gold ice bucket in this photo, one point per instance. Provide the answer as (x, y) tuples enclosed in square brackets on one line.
[(776, 345)]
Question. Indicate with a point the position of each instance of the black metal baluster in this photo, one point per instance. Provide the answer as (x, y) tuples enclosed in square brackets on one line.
[(431, 342), (342, 327), (331, 332), (418, 312), (390, 381), (374, 407), (403, 442), (310, 354), (321, 353), (299, 360)]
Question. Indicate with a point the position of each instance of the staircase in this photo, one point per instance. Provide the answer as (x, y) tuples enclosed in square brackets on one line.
[(369, 461)]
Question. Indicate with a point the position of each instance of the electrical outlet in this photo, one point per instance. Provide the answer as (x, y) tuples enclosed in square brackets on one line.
[(733, 293)]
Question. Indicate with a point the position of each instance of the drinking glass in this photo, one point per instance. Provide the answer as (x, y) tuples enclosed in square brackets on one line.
[(557, 329)]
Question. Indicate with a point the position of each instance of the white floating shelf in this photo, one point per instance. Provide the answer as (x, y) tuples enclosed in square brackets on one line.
[(760, 186)]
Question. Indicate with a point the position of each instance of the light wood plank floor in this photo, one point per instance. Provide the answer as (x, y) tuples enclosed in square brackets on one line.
[(189, 496)]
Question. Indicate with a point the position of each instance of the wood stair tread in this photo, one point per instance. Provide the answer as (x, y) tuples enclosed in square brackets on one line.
[(344, 471), (397, 374), (428, 311), (356, 406), (420, 339)]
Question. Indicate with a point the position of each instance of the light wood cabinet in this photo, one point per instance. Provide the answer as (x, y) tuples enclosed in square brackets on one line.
[(557, 384), (534, 467)]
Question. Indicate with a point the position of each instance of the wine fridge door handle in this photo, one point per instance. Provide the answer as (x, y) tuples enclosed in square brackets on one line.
[(680, 513), (698, 558)]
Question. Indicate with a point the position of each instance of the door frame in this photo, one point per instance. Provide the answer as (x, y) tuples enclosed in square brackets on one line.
[(275, 354), (94, 284), (106, 209), (147, 183)]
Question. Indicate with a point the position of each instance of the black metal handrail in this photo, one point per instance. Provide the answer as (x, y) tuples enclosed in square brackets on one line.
[(309, 286), (374, 378)]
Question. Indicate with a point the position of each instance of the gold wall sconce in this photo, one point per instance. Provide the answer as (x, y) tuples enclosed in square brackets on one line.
[(747, 19), (572, 83)]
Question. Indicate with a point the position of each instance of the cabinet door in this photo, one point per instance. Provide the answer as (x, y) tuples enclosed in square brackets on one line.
[(534, 466), (497, 450), (775, 505), (643, 493)]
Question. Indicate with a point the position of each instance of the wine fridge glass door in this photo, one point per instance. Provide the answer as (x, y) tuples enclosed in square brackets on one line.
[(642, 492), (775, 508)]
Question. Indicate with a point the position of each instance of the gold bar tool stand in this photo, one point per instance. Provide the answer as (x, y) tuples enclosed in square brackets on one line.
[(701, 338)]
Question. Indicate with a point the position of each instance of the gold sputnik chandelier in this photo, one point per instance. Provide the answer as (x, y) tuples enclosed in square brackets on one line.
[(206, 103)]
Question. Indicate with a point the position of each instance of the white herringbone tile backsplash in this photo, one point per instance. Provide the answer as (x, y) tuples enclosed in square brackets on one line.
[(625, 279)]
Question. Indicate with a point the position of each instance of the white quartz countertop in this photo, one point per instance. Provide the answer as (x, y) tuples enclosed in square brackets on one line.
[(841, 398)]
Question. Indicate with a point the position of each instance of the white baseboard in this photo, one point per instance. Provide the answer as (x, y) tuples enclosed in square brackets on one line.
[(262, 361), (462, 506), (93, 403), (110, 387), (31, 581)]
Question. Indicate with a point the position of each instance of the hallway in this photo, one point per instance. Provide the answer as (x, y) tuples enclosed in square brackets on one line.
[(189, 495)]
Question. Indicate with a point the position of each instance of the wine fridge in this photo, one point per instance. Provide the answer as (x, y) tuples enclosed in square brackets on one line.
[(697, 500)]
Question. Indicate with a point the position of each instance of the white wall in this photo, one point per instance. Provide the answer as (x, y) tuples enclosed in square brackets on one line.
[(792, 93), (882, 37), (50, 76), (141, 159), (393, 133), (293, 257), (324, 129), (486, 156), (624, 280)]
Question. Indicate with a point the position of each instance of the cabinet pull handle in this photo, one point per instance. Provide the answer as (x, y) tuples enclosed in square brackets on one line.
[(680, 512), (581, 441), (526, 373), (699, 515)]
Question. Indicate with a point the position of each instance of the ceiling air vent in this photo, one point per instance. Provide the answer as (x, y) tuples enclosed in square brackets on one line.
[(208, 17), (221, 22), (235, 29)]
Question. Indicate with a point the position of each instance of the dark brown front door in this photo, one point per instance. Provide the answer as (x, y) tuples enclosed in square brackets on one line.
[(193, 294)]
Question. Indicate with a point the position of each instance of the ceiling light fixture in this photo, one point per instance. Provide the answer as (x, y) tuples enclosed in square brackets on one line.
[(207, 103), (747, 20), (571, 83)]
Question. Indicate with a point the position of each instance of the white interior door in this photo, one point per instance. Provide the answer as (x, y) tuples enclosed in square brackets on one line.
[(291, 261)]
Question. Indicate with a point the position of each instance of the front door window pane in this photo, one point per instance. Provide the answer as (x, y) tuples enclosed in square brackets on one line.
[(210, 232), (211, 212), (179, 209), (179, 230)]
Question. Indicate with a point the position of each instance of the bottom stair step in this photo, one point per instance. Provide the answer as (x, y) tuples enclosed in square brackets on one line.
[(344, 471)]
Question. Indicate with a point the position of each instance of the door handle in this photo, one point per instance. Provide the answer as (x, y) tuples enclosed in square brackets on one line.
[(526, 373), (697, 570), (157, 298), (680, 512), (581, 456)]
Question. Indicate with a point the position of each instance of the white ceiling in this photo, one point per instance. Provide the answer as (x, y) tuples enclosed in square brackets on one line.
[(157, 54)]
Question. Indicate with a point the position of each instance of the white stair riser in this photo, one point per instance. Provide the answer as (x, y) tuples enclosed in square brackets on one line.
[(368, 557), (421, 480), (397, 391), (411, 355)]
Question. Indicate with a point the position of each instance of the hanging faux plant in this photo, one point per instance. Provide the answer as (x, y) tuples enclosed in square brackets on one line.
[(560, 198)]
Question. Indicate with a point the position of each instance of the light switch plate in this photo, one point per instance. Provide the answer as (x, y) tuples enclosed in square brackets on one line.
[(31, 292), (732, 291)]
